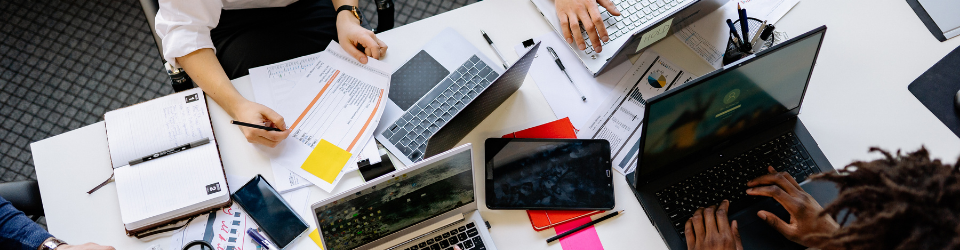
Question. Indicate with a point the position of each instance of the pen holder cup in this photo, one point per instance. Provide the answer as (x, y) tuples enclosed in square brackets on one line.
[(732, 53)]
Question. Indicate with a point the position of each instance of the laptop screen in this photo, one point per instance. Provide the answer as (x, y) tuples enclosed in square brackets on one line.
[(720, 106), (398, 203)]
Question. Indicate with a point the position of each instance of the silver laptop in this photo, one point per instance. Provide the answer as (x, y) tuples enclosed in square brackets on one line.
[(436, 196), (442, 93), (640, 24)]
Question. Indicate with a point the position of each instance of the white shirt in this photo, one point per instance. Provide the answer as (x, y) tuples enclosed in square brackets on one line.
[(184, 25)]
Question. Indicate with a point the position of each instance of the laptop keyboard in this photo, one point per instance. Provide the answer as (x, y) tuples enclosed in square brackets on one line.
[(411, 132), (728, 180), (633, 14), (466, 237)]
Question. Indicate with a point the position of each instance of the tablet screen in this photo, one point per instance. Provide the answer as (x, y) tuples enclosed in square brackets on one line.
[(567, 174)]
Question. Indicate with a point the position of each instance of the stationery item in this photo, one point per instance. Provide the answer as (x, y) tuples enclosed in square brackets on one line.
[(585, 239), (224, 228), (736, 37), (255, 126), (546, 74), (340, 101), (936, 88), (581, 227), (175, 183), (550, 174), (325, 161), (619, 119), (767, 31), (315, 237), (744, 28), (262, 241), (545, 219), (940, 17), (490, 42), (708, 36), (756, 36), (281, 224), (562, 69)]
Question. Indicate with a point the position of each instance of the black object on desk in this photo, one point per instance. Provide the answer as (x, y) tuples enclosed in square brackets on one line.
[(255, 126), (937, 87), (585, 225), (927, 21)]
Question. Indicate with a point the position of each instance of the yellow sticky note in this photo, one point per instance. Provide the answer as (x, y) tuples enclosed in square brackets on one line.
[(315, 236), (326, 161)]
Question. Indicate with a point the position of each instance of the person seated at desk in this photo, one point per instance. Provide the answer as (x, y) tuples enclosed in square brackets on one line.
[(574, 12), (218, 40), (899, 201), (19, 232)]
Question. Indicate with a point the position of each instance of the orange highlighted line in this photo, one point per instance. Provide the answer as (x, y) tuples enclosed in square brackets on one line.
[(367, 123), (335, 73)]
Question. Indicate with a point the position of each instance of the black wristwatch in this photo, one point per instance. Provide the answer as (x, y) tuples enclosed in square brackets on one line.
[(354, 9)]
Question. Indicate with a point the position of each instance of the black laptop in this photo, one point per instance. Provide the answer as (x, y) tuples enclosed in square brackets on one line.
[(703, 141)]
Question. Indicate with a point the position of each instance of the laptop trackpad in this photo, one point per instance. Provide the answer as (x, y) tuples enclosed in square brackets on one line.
[(756, 234)]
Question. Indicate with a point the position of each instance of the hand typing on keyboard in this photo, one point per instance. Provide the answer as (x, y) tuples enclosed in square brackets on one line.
[(709, 229), (806, 218), (573, 13)]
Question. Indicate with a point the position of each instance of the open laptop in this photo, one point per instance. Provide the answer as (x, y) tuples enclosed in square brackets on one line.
[(704, 140), (442, 93), (436, 196), (640, 24)]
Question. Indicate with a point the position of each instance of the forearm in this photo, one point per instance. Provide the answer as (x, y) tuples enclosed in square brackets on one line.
[(204, 68), (17, 231)]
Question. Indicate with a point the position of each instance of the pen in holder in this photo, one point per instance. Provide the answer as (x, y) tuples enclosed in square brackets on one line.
[(733, 51)]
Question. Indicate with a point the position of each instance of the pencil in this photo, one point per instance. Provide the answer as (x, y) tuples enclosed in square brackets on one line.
[(585, 225), (256, 126)]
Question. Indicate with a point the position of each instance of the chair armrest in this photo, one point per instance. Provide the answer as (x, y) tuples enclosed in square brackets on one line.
[(24, 195)]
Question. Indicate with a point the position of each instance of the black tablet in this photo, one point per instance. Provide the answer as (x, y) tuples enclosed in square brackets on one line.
[(548, 174)]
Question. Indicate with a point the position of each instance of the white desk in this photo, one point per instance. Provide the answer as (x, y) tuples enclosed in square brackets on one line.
[(857, 98)]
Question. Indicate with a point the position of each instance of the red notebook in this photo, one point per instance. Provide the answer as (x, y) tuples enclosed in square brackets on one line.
[(559, 129)]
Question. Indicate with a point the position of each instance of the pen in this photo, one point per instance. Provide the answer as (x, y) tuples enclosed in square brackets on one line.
[(585, 225), (255, 126), (756, 37), (733, 32), (260, 239), (564, 70), (490, 42), (744, 28), (170, 151)]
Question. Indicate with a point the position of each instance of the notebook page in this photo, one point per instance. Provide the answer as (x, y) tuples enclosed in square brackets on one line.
[(156, 125), (169, 184)]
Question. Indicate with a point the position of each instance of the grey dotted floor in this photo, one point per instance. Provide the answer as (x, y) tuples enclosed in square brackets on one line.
[(63, 64)]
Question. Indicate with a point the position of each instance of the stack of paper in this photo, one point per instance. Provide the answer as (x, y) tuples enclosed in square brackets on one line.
[(334, 103)]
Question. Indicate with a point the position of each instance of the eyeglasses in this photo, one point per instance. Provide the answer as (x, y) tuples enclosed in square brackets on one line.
[(198, 245)]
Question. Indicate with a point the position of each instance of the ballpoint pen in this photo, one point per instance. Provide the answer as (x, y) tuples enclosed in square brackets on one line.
[(585, 225), (736, 38), (490, 42), (262, 241), (564, 70), (744, 28)]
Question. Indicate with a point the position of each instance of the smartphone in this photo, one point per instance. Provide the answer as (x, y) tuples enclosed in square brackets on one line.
[(268, 209), (548, 174)]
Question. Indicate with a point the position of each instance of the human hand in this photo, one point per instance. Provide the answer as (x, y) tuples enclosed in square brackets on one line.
[(255, 113), (709, 229), (88, 246), (350, 33), (805, 212), (573, 12)]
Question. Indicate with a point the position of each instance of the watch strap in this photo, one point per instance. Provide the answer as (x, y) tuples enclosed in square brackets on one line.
[(351, 8), (51, 244)]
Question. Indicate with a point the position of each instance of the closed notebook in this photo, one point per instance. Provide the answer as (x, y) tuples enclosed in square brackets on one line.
[(559, 129), (172, 187)]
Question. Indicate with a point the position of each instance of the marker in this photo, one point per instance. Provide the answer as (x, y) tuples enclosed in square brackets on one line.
[(585, 225), (490, 42), (170, 151), (736, 38), (263, 241), (255, 126), (756, 37), (564, 70)]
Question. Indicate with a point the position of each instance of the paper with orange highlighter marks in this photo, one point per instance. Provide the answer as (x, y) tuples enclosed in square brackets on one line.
[(339, 101), (224, 229)]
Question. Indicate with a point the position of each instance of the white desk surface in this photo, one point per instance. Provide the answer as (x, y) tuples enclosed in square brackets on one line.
[(857, 98)]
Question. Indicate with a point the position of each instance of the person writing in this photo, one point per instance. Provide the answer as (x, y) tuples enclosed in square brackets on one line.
[(19, 232), (218, 40), (899, 202), (572, 13)]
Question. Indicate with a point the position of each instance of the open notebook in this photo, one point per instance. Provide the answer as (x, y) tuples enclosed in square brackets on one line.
[(175, 186)]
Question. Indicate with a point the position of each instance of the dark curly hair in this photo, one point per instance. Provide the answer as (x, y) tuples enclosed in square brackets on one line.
[(898, 202)]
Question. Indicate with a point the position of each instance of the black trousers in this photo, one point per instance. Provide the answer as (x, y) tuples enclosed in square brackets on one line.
[(249, 38)]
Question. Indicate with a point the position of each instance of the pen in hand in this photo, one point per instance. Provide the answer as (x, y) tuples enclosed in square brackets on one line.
[(255, 126), (564, 70)]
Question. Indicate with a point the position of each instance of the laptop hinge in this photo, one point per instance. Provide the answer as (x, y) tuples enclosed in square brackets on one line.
[(433, 228)]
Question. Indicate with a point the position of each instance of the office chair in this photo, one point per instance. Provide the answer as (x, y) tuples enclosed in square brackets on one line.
[(385, 21), (25, 196)]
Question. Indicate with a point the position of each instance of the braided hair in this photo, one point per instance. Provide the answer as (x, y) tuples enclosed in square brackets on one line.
[(902, 201)]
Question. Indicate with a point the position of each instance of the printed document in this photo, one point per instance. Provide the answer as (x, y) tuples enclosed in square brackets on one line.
[(619, 118), (708, 36), (340, 101)]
